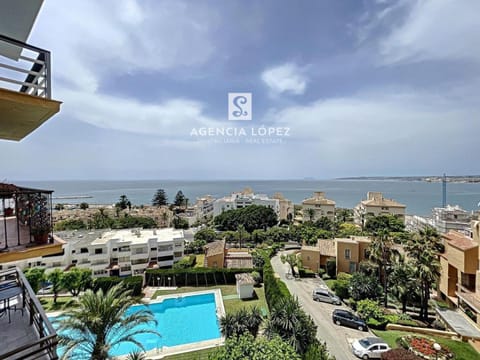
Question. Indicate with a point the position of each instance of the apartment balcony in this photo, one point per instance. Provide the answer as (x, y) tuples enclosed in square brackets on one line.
[(25, 330), (26, 224), (138, 256), (25, 89)]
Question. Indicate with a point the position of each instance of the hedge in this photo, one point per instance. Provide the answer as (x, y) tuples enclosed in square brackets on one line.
[(193, 276), (275, 289), (132, 283)]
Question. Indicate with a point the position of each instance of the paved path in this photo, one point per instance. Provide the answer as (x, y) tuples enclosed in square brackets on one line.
[(338, 338)]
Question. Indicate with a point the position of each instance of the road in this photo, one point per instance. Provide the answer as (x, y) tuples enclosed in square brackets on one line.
[(338, 338)]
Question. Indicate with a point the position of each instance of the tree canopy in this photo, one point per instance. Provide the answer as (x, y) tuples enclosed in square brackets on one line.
[(389, 223), (179, 199), (251, 217), (160, 198)]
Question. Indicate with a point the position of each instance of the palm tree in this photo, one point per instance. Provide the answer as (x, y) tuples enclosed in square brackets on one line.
[(292, 324), (423, 248), (243, 321), (310, 213), (404, 283), (381, 252), (254, 320), (136, 355), (100, 322)]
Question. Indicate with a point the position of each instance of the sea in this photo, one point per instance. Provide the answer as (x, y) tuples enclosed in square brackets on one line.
[(419, 196)]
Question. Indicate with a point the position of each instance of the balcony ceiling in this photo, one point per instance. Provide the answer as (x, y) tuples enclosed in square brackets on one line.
[(20, 114), (16, 21)]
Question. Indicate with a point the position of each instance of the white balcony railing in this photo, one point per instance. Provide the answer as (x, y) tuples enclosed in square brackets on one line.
[(27, 70)]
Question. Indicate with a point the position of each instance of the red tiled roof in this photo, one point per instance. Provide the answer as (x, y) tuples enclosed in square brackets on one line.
[(459, 240)]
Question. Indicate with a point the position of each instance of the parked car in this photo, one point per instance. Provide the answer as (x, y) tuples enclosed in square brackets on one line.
[(323, 294), (346, 318), (46, 290), (369, 348)]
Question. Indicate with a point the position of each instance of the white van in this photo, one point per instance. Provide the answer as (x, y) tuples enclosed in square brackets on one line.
[(325, 295)]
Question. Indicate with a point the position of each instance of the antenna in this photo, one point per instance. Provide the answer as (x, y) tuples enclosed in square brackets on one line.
[(444, 191)]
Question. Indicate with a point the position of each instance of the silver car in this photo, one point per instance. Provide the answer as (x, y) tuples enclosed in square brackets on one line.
[(325, 295), (369, 348)]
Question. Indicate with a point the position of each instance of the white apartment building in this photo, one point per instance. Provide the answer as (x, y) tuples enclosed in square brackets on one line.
[(443, 220), (200, 211), (114, 252), (247, 197)]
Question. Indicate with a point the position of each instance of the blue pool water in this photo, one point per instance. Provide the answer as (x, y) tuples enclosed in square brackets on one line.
[(181, 320)]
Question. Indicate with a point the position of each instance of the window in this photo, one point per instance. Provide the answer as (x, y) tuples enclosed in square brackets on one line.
[(347, 254), (153, 249), (73, 251), (365, 253), (115, 249), (98, 251), (83, 251), (308, 258), (165, 258), (74, 262)]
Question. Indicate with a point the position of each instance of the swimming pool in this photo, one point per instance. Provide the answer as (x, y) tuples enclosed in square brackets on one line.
[(182, 319)]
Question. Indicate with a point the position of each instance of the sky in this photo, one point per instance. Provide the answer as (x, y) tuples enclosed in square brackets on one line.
[(347, 88)]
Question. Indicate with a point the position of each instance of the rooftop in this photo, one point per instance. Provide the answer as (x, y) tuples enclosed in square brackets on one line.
[(244, 279), (215, 248), (318, 199), (459, 240), (377, 199), (137, 236)]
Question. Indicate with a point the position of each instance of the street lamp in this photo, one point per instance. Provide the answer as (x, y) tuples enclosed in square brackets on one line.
[(437, 348), (158, 281), (169, 281)]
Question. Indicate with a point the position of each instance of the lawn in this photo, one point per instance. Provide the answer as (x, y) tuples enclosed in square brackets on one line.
[(462, 350), (231, 305), (330, 283), (62, 303), (193, 355), (200, 260)]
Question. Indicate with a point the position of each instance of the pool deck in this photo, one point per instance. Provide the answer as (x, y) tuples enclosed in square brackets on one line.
[(160, 353)]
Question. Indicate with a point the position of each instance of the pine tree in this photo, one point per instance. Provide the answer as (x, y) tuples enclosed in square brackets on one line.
[(160, 198)]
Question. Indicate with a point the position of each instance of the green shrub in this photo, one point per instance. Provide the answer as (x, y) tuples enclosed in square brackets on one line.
[(186, 262), (342, 285), (306, 273), (377, 324), (274, 288), (132, 283), (369, 309), (332, 267)]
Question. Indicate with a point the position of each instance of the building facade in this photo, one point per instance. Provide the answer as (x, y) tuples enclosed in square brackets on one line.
[(317, 207), (247, 197), (376, 204), (113, 253), (348, 253), (459, 282)]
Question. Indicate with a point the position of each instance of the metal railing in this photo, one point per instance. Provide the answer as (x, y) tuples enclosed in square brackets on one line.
[(30, 73), (46, 345)]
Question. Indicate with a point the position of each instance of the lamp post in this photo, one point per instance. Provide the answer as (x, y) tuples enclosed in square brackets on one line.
[(437, 348), (158, 281), (169, 278)]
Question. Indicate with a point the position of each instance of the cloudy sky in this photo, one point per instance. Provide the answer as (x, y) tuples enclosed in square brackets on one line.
[(364, 87)]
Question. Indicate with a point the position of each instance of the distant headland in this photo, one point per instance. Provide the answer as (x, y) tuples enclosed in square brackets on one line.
[(450, 179)]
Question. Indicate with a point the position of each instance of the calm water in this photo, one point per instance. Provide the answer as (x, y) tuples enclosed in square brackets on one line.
[(181, 320), (419, 197)]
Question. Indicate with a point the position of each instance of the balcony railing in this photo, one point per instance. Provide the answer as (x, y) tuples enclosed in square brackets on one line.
[(45, 346), (29, 73)]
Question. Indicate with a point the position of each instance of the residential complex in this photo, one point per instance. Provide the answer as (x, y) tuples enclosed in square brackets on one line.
[(443, 220), (376, 204), (112, 252), (282, 207), (218, 256), (318, 206), (347, 252), (202, 210), (460, 271)]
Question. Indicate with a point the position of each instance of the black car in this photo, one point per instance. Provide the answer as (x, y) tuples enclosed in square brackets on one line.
[(346, 318)]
